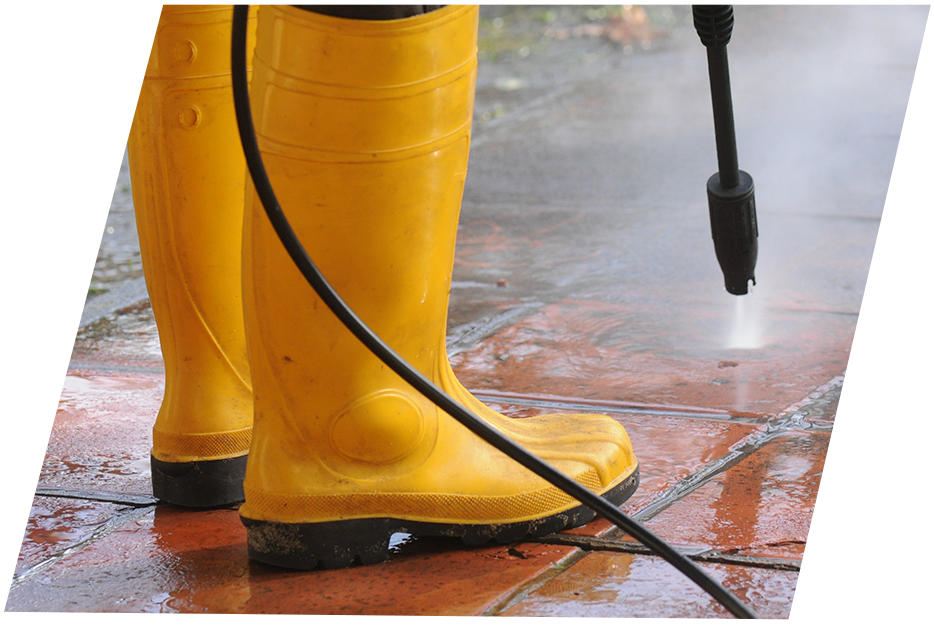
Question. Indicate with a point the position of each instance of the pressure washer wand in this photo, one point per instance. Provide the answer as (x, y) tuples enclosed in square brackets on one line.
[(730, 192)]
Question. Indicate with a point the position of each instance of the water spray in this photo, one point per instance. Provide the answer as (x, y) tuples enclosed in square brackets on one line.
[(730, 192)]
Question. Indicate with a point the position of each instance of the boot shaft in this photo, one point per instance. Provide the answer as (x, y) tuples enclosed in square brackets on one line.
[(188, 176), (365, 131)]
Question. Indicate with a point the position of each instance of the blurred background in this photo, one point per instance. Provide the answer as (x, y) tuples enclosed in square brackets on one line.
[(68, 224), (807, 82)]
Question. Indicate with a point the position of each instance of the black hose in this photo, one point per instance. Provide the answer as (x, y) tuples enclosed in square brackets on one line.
[(412, 376)]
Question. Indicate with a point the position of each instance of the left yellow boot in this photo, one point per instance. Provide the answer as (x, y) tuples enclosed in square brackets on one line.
[(188, 176), (365, 129)]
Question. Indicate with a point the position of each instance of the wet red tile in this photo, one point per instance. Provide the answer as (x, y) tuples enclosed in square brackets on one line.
[(639, 586), (102, 433), (829, 489), (639, 352), (183, 561), (671, 448), (56, 524), (668, 449)]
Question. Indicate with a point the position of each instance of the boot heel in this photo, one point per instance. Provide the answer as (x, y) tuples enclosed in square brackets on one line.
[(188, 177), (305, 546), (199, 484)]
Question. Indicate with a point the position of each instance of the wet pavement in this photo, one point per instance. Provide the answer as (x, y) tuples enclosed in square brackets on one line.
[(585, 280)]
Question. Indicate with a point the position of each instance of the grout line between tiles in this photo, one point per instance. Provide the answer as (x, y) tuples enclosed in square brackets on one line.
[(104, 530), (533, 584), (116, 498), (597, 544), (798, 416)]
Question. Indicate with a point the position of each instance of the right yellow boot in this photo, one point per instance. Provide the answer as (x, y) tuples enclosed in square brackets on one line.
[(365, 129), (188, 176)]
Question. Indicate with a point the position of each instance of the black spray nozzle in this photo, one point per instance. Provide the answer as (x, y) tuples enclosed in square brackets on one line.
[(735, 232), (730, 192)]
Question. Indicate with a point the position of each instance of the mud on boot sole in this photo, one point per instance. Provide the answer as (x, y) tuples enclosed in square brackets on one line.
[(343, 543)]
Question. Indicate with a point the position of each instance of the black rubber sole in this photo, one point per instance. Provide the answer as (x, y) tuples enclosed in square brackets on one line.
[(343, 543), (202, 485)]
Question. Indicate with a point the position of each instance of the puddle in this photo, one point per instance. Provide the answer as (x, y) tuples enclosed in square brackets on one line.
[(97, 392), (398, 540), (101, 436)]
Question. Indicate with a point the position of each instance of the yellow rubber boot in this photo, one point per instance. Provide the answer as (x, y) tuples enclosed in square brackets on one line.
[(188, 176), (365, 129)]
